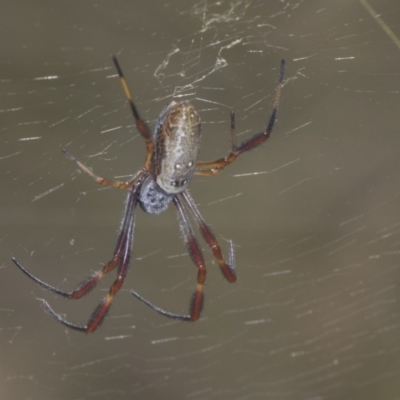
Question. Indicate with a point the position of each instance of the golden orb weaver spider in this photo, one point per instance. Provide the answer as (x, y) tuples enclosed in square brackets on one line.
[(171, 162)]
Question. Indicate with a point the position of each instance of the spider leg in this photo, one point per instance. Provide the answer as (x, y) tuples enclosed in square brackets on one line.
[(140, 124), (198, 259), (87, 285), (101, 310), (206, 168), (227, 269), (121, 258), (99, 179), (83, 288)]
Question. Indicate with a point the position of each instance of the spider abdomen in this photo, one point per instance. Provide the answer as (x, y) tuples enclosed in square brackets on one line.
[(177, 144)]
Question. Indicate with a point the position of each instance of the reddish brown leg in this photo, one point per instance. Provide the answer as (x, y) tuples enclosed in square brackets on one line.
[(99, 179), (215, 167), (121, 257), (140, 124), (198, 259), (227, 269), (101, 311), (142, 128)]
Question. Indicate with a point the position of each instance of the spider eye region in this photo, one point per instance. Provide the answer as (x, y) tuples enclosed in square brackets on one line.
[(176, 146)]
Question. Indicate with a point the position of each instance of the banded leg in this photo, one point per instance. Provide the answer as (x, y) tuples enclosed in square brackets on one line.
[(198, 259), (140, 124), (227, 269), (102, 309), (104, 181), (121, 257), (214, 167)]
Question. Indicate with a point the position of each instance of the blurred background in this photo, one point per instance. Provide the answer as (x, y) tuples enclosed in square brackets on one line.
[(313, 214)]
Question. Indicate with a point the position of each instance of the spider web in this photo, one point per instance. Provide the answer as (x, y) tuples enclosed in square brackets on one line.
[(313, 213)]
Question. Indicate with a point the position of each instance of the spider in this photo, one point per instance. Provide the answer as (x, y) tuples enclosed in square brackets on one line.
[(170, 163)]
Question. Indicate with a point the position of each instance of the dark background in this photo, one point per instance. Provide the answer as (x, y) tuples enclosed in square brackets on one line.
[(313, 214)]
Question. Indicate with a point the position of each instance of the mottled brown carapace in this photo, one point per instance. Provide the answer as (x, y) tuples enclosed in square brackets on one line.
[(170, 163), (177, 144)]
